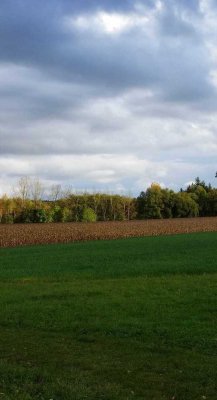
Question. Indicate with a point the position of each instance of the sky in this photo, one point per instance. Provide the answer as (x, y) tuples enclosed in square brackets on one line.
[(108, 95)]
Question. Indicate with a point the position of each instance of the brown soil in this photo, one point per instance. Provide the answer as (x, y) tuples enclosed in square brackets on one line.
[(27, 234)]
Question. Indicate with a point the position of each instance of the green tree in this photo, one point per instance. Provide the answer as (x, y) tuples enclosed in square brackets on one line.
[(168, 202), (140, 205), (212, 203), (152, 201), (191, 188), (184, 205)]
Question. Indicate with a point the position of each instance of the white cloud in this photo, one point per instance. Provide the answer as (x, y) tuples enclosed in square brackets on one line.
[(113, 23), (99, 172)]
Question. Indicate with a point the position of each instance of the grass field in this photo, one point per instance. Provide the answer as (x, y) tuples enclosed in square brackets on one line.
[(112, 320)]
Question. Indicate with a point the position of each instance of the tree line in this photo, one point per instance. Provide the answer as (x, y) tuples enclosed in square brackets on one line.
[(29, 204)]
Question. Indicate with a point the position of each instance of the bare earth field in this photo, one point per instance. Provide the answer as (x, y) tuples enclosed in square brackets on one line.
[(27, 234)]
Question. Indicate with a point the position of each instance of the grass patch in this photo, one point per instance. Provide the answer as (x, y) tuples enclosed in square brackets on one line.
[(125, 319)]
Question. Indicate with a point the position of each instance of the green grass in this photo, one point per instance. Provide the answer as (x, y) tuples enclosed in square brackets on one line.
[(111, 320)]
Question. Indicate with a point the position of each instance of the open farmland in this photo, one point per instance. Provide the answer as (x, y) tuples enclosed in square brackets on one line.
[(110, 320), (27, 234)]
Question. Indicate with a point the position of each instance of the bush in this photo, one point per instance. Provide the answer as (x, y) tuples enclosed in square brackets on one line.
[(33, 215), (88, 215), (39, 215), (7, 219), (61, 214)]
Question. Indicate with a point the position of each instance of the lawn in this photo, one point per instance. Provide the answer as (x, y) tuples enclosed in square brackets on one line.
[(113, 320)]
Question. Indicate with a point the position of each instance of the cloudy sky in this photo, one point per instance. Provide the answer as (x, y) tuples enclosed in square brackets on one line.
[(108, 94)]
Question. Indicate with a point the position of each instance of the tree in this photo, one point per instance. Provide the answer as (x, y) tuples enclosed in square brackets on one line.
[(55, 192), (37, 191), (129, 206), (104, 207), (212, 203), (198, 182), (153, 205), (24, 189), (7, 211), (184, 206), (167, 203), (140, 205)]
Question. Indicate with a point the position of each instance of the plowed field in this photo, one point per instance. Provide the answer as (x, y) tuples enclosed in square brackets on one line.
[(27, 234)]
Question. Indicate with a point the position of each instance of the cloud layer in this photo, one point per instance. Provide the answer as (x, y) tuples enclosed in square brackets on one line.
[(108, 95)]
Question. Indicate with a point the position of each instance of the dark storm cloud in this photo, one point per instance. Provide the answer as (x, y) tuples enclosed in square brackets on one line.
[(84, 6), (71, 86), (175, 60), (173, 25), (33, 33), (190, 5)]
